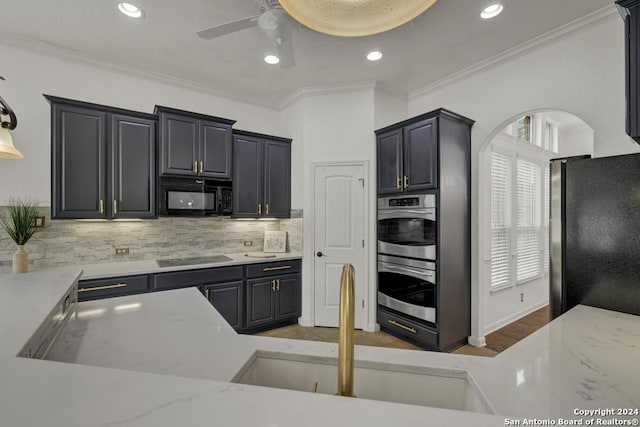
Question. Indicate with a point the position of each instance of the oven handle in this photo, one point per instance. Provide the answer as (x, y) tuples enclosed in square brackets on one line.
[(428, 213), (428, 275)]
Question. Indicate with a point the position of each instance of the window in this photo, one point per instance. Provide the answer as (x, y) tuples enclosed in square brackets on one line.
[(528, 242), (519, 219), (500, 226), (523, 129)]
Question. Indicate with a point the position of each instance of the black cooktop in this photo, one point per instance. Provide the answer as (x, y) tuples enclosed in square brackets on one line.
[(176, 262)]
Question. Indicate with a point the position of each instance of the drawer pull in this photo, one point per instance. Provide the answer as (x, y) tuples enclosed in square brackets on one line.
[(206, 293), (406, 328), (101, 288), (282, 267)]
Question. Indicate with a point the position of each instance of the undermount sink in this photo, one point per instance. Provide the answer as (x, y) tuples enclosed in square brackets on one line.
[(435, 387), (176, 262)]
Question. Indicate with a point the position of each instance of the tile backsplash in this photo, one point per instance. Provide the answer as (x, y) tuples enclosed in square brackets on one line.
[(71, 242)]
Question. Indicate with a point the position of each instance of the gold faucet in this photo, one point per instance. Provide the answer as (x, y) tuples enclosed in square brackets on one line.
[(346, 332)]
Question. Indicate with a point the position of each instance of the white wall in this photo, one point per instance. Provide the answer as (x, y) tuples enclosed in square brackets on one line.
[(29, 75), (575, 140), (581, 73)]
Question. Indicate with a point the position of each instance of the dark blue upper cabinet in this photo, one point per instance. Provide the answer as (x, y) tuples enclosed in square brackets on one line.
[(193, 144), (261, 176), (103, 162)]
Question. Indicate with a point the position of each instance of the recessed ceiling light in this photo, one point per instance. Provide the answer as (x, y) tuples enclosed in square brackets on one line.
[(374, 55), (271, 59), (130, 10), (492, 11)]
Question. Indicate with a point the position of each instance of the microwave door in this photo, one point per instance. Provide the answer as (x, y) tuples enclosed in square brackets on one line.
[(183, 200)]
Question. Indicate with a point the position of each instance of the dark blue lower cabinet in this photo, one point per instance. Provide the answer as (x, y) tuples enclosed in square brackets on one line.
[(228, 299), (112, 287), (273, 299)]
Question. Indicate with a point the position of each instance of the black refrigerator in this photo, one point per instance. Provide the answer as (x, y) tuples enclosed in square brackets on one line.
[(595, 233)]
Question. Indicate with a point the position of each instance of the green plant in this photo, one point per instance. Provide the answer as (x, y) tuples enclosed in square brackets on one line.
[(20, 220)]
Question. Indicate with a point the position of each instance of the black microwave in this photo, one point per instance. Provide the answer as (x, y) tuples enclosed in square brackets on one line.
[(194, 197)]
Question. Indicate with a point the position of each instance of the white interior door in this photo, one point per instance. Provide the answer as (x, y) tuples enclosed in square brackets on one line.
[(340, 216)]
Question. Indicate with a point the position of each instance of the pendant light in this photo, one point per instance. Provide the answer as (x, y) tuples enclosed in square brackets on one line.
[(353, 18), (7, 150)]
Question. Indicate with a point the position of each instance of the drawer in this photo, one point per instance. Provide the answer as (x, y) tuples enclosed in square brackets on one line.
[(273, 268), (402, 326), (114, 286), (186, 278)]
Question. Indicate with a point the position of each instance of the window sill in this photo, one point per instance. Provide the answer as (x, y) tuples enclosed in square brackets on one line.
[(532, 279), (496, 289)]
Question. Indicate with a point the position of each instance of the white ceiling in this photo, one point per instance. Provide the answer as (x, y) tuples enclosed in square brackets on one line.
[(447, 38)]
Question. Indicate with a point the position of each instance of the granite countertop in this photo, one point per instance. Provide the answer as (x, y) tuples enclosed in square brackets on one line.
[(173, 366), (127, 268)]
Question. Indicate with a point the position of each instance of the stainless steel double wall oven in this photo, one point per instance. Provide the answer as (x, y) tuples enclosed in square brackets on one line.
[(407, 255)]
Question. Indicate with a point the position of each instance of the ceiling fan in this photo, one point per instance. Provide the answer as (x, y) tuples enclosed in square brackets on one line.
[(273, 22)]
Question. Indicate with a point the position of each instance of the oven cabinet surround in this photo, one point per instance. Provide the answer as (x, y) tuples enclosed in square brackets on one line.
[(445, 171), (194, 144), (408, 157), (251, 297), (630, 11), (261, 176), (103, 161)]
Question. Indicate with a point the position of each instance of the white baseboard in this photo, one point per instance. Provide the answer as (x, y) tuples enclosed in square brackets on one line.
[(477, 341), (513, 317), (372, 327), (304, 321)]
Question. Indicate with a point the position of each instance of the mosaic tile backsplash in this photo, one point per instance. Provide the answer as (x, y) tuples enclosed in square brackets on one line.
[(70, 242)]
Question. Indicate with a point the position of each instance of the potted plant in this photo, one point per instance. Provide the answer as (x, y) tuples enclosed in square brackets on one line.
[(20, 223)]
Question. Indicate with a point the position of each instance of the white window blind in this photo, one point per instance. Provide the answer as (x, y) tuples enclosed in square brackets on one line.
[(528, 220), (545, 221), (500, 219)]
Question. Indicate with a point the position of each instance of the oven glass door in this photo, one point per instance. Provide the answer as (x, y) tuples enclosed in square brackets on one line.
[(410, 290), (407, 232), (184, 202)]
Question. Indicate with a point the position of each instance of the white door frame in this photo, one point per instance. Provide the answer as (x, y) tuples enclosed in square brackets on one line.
[(311, 236)]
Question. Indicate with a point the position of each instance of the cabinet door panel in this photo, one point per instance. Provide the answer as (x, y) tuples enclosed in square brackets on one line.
[(134, 146), (421, 156), (277, 179), (288, 296), (247, 177), (389, 162), (228, 299), (260, 302), (179, 140), (215, 149), (80, 150)]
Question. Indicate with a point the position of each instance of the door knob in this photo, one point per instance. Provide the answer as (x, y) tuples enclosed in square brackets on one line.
[(320, 254)]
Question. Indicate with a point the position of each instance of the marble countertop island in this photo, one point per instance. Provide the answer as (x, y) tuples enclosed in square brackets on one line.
[(166, 359)]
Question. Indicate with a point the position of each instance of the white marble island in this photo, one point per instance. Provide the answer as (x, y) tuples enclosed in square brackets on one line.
[(174, 364)]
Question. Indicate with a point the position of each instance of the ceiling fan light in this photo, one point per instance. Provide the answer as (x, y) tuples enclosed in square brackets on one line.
[(131, 10), (7, 149), (271, 59), (347, 18), (492, 11)]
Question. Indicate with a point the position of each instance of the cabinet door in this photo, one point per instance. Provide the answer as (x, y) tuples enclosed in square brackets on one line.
[(247, 177), (80, 159), (420, 156), (215, 149), (261, 296), (179, 141), (390, 162), (134, 167), (277, 179), (228, 299), (288, 302)]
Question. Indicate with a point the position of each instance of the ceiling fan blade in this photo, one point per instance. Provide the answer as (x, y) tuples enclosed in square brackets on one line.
[(285, 53), (229, 27)]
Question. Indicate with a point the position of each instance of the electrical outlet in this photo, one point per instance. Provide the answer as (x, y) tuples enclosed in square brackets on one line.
[(522, 297), (248, 243), (122, 251)]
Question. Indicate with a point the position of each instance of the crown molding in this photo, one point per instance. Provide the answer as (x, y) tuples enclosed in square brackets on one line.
[(591, 20), (58, 52), (331, 89)]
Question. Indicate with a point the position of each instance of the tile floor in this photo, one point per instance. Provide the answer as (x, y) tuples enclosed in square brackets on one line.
[(497, 341)]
